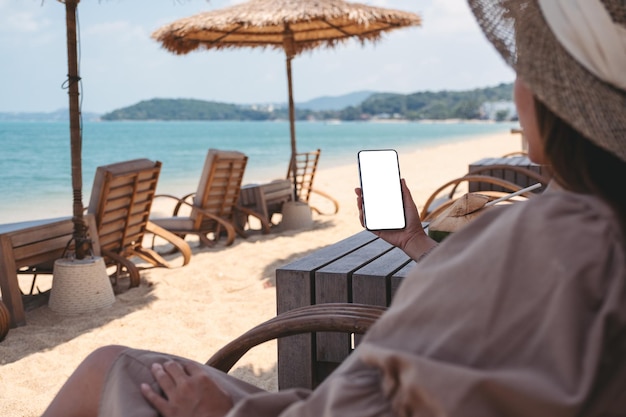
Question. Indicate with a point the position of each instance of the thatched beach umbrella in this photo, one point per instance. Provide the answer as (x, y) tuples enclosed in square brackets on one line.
[(294, 26)]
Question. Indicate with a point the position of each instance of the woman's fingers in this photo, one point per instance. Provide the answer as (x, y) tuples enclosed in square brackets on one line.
[(193, 369), (359, 198), (188, 391), (359, 203), (163, 376), (175, 370), (154, 398)]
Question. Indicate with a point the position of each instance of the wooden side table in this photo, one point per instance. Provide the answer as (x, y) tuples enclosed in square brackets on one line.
[(360, 269), (266, 199), (516, 169)]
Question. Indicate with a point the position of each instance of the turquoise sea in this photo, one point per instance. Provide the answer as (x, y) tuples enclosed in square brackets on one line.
[(35, 177)]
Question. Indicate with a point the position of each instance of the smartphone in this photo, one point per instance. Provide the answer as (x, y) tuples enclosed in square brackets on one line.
[(379, 173)]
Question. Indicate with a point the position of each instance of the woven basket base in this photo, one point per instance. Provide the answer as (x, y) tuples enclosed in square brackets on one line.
[(80, 286), (296, 215)]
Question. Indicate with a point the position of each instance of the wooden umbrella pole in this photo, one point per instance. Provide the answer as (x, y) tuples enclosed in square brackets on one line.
[(80, 230), (288, 45), (292, 129)]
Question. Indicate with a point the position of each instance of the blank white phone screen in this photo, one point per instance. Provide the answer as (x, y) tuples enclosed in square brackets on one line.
[(379, 172)]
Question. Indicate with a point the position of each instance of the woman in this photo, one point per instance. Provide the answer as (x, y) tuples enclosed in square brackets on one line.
[(521, 313)]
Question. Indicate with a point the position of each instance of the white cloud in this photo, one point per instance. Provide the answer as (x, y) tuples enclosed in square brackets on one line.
[(118, 33), (22, 18), (121, 64), (448, 18), (20, 22)]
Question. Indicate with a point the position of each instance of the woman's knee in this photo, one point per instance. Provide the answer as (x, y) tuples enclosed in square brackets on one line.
[(103, 357)]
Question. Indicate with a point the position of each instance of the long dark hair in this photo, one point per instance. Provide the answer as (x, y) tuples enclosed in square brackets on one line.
[(579, 165)]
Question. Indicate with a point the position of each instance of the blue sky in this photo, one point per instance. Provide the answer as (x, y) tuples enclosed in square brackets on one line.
[(121, 65)]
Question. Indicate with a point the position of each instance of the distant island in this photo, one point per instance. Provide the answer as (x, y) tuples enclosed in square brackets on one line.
[(492, 103), (62, 115)]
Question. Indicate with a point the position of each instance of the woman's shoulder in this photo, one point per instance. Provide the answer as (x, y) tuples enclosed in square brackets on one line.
[(560, 213), (557, 242), (555, 231), (555, 211)]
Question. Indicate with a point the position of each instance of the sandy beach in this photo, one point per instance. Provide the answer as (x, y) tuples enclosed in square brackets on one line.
[(194, 310)]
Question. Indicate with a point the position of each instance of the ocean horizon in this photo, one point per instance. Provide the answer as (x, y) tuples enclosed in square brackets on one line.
[(35, 180)]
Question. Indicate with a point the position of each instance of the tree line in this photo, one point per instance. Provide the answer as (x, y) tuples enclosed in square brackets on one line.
[(416, 106)]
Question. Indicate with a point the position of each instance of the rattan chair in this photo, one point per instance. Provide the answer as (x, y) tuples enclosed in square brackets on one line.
[(447, 193), (329, 317)]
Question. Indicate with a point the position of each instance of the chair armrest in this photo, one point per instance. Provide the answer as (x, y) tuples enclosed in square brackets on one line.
[(424, 213), (327, 196), (230, 228), (328, 317), (175, 240), (180, 201), (265, 224)]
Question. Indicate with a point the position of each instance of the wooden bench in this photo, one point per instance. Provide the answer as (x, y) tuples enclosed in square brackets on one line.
[(27, 244), (359, 269)]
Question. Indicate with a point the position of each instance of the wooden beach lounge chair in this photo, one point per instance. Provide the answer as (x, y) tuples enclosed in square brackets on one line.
[(210, 212), (121, 199), (306, 166)]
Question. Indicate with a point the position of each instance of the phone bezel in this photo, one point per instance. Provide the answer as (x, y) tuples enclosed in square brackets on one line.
[(397, 175)]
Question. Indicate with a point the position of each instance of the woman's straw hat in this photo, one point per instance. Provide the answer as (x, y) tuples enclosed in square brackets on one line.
[(465, 209), (589, 91)]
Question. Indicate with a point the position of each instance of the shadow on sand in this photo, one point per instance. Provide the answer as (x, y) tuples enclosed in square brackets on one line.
[(36, 336)]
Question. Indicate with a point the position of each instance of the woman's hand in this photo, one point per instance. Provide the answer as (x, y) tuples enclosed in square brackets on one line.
[(412, 239), (187, 391)]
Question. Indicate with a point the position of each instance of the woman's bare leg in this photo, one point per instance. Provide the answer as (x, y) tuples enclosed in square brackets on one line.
[(80, 395)]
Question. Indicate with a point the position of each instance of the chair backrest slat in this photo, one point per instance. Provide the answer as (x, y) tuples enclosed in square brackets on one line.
[(121, 200), (306, 166), (219, 186)]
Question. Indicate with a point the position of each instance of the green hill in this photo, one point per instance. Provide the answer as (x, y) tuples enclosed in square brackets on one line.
[(436, 105), (415, 106), (185, 109)]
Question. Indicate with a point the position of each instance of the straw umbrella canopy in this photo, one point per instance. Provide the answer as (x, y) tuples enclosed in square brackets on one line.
[(293, 26)]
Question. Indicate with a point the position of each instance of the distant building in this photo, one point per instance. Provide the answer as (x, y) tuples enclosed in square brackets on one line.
[(498, 110), (269, 108), (386, 116)]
